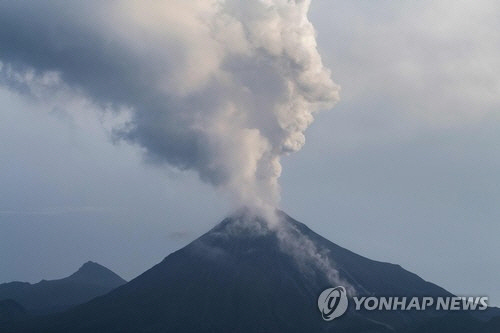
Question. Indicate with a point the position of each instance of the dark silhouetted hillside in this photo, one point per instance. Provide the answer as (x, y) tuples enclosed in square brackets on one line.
[(244, 277), (11, 310), (44, 297)]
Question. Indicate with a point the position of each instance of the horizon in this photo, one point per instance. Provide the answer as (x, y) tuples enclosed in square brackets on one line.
[(246, 213)]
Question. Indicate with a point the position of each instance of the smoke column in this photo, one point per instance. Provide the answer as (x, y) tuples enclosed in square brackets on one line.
[(221, 87)]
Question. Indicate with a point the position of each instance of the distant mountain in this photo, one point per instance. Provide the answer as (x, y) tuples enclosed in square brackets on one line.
[(244, 276), (11, 310), (44, 297)]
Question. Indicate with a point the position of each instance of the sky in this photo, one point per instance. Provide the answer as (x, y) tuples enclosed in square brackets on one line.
[(403, 169)]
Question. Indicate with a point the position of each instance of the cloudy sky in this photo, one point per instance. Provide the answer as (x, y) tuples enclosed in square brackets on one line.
[(403, 169)]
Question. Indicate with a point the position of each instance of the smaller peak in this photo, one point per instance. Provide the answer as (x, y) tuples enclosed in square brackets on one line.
[(90, 264), (94, 272)]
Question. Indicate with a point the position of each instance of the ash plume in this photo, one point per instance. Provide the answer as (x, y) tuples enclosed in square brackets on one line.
[(221, 87)]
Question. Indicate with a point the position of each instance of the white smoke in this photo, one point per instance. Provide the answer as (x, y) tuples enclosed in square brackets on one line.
[(308, 256), (221, 87)]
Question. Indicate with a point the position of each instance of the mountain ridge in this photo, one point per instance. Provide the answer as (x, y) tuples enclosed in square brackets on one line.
[(49, 296), (247, 275)]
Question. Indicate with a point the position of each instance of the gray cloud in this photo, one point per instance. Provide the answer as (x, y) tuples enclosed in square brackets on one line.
[(224, 88)]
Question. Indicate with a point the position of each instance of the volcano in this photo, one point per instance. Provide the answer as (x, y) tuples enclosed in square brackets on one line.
[(249, 275)]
